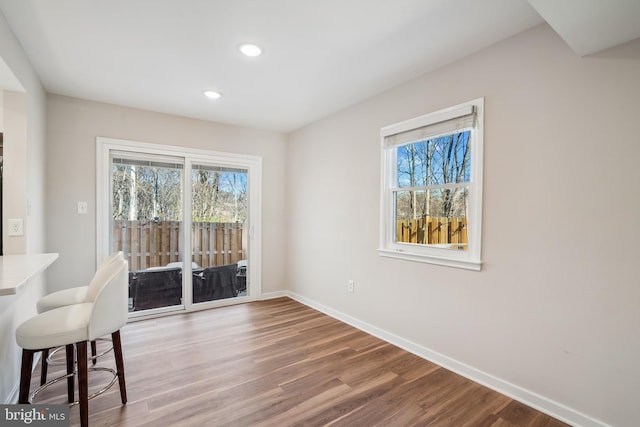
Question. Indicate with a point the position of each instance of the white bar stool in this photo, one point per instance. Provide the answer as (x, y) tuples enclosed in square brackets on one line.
[(103, 312), (64, 298)]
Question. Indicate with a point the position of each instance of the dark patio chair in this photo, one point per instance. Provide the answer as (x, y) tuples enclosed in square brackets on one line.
[(214, 283), (156, 288)]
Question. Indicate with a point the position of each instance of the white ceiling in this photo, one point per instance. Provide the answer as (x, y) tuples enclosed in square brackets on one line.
[(320, 56)]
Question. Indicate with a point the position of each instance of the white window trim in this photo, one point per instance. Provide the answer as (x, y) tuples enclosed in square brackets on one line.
[(252, 163), (469, 259)]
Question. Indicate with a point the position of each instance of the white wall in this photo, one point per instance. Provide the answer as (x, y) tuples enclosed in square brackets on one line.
[(15, 176), (73, 126), (24, 170), (553, 316)]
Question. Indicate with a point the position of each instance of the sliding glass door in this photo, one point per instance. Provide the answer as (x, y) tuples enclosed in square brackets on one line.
[(155, 201), (147, 222), (219, 212)]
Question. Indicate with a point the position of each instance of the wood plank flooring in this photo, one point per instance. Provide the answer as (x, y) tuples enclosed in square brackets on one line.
[(280, 363)]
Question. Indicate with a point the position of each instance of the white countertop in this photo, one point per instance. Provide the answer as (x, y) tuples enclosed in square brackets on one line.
[(16, 270)]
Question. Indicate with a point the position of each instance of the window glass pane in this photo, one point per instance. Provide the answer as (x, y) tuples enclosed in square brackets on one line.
[(219, 203), (149, 191), (219, 194), (449, 203), (433, 217), (414, 163), (442, 160), (411, 204), (146, 203)]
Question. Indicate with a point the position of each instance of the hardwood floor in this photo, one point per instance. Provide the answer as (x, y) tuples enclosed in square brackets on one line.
[(280, 363)]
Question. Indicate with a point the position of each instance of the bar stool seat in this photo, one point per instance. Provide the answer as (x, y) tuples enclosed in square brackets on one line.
[(57, 327), (103, 312)]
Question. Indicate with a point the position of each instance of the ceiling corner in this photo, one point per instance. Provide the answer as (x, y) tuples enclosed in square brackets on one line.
[(589, 26)]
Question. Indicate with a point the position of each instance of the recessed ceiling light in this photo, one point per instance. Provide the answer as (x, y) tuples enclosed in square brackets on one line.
[(212, 94), (249, 49)]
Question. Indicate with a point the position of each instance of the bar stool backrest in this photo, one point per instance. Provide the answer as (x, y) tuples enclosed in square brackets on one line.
[(99, 278), (110, 303), (114, 256)]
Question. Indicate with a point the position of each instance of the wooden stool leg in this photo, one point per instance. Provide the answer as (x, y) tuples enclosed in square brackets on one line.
[(117, 350), (25, 375), (70, 369), (83, 385), (43, 366), (94, 351)]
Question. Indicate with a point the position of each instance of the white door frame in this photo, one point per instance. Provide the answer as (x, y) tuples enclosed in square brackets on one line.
[(252, 163)]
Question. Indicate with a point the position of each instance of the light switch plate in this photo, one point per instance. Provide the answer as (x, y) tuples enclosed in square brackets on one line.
[(82, 208), (16, 227)]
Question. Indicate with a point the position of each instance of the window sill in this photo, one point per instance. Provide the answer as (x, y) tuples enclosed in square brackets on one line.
[(429, 259)]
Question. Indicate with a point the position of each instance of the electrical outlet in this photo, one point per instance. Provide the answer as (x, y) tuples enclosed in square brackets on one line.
[(16, 227), (350, 286)]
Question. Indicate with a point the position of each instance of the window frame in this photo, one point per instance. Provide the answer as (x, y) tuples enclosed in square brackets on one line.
[(388, 247)]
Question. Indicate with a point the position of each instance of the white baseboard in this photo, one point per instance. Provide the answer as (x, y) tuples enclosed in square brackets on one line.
[(272, 295), (527, 397)]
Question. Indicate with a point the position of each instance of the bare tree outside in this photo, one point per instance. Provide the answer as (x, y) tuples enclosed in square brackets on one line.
[(146, 191), (153, 191), (219, 194), (426, 170)]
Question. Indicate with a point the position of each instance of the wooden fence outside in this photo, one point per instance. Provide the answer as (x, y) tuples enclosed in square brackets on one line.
[(433, 231), (155, 243)]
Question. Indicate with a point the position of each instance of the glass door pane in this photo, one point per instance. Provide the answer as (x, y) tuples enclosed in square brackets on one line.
[(220, 211), (147, 225)]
